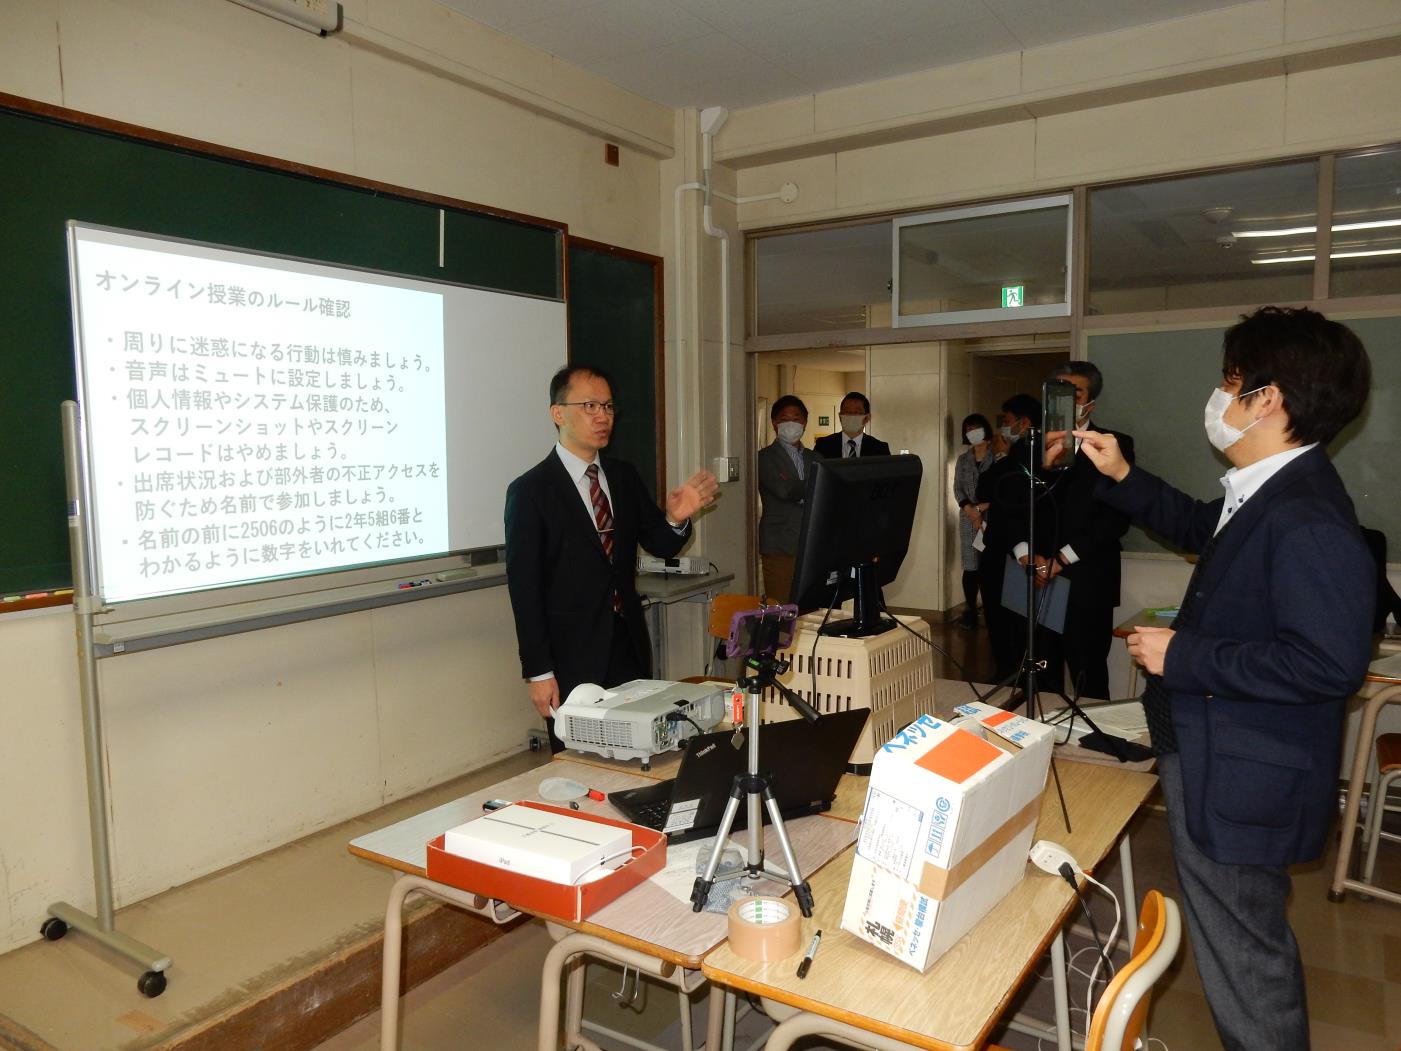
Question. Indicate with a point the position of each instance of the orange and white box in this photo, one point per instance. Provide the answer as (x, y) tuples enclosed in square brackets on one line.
[(950, 815)]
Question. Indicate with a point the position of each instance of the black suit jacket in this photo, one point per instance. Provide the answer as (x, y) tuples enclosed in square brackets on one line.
[(831, 446), (1260, 670), (1094, 530), (560, 581)]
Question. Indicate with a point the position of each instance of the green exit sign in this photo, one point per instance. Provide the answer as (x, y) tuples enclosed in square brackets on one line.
[(1013, 295)]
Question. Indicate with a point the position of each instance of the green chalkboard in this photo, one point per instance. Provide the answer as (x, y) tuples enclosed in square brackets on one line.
[(52, 171), (614, 314), (1156, 385)]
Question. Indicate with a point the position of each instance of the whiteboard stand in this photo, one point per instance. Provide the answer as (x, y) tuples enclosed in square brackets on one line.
[(62, 915)]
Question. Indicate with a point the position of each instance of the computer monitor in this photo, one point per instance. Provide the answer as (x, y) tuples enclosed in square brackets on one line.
[(857, 517)]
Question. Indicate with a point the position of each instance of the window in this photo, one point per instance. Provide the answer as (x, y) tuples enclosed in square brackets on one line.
[(986, 263), (819, 280), (1366, 253), (1218, 239)]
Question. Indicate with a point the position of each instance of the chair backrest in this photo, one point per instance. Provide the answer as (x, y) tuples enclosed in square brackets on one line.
[(724, 607), (1123, 1007)]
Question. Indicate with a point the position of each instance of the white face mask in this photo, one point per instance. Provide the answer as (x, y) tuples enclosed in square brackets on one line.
[(1006, 432), (790, 431), (1220, 433), (1082, 414), (976, 435), (851, 425)]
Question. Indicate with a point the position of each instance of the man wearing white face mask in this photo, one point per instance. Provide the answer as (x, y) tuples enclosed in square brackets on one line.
[(1084, 546), (783, 470), (1247, 690), (852, 440)]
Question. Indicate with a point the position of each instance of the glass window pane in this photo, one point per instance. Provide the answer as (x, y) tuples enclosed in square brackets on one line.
[(822, 279), (1366, 253), (1204, 240), (1009, 259)]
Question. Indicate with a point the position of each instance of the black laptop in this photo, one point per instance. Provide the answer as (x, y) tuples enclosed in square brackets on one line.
[(804, 761)]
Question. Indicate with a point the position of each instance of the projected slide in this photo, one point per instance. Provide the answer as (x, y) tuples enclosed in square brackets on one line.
[(248, 419)]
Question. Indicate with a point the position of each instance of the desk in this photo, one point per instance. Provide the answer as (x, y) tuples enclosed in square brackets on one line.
[(1383, 686), (1142, 619), (956, 1003), (659, 593), (647, 928)]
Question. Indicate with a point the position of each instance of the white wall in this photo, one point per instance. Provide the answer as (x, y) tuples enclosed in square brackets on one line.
[(221, 749)]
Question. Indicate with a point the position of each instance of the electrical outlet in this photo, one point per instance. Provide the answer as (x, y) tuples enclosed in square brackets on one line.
[(725, 468), (1048, 857)]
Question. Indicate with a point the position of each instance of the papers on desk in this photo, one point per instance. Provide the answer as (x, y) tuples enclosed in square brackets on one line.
[(1124, 719)]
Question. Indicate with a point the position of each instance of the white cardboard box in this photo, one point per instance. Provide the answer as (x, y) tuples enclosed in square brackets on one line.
[(950, 815), (538, 843)]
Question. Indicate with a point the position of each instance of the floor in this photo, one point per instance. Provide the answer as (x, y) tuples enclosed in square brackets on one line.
[(239, 932)]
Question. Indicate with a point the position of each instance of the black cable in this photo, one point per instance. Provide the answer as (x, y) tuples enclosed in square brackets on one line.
[(676, 717), (1068, 874), (933, 648), (812, 656)]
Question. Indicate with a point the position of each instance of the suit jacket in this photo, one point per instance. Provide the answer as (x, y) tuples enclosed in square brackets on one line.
[(1094, 530), (1260, 670), (560, 581), (782, 492), (833, 446)]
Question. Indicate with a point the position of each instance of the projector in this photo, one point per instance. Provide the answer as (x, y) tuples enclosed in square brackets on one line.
[(630, 721), (685, 566)]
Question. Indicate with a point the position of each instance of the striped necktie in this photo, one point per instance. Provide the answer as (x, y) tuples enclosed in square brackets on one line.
[(851, 448), (602, 513)]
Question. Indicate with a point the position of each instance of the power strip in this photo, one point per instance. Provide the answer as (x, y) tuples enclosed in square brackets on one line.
[(1049, 857)]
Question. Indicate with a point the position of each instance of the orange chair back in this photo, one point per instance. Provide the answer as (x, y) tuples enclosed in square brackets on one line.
[(1152, 927)]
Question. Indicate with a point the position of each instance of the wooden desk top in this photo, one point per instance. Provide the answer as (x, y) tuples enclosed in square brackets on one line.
[(647, 918), (1385, 670), (957, 1002)]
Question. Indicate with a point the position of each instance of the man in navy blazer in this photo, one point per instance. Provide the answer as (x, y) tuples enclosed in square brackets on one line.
[(573, 525), (851, 439), (1246, 691)]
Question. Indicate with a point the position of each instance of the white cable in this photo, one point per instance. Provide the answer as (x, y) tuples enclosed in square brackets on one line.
[(1109, 945)]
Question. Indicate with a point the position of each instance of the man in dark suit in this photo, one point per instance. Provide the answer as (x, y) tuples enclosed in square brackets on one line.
[(573, 525), (1247, 690), (1084, 546), (1003, 487), (782, 470), (852, 440)]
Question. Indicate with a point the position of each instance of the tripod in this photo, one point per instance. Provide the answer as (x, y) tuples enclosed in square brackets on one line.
[(753, 787)]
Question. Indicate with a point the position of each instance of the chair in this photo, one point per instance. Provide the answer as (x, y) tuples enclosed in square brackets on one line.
[(1388, 770), (1123, 1006)]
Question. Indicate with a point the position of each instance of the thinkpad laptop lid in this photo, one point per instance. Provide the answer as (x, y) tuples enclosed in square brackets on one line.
[(805, 761)]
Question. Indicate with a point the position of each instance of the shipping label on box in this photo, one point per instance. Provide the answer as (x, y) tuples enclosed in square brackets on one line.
[(949, 816)]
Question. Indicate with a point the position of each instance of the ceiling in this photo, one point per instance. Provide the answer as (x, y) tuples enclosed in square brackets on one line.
[(740, 53)]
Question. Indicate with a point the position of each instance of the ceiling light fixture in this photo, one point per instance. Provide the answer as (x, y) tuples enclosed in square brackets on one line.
[(1332, 255), (1375, 224)]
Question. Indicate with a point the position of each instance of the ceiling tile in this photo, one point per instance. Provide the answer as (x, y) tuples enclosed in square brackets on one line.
[(610, 28)]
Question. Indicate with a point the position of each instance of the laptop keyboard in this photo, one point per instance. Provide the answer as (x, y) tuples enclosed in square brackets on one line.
[(653, 815)]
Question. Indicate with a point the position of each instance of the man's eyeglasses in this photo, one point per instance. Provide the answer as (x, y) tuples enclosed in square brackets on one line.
[(592, 408)]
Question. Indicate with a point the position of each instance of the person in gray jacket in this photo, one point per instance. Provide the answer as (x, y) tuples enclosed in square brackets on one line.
[(783, 471)]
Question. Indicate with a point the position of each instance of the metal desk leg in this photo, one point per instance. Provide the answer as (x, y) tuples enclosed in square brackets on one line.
[(1127, 934), (1062, 991), (394, 941), (715, 1017), (805, 1024), (1362, 755)]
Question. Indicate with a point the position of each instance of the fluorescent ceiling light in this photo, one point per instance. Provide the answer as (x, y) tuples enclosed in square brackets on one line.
[(1375, 224), (1332, 255)]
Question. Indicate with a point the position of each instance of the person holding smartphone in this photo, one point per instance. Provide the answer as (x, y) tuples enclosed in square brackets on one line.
[(1247, 691)]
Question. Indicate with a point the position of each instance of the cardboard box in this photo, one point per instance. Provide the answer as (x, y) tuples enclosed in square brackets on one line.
[(950, 815), (560, 848), (542, 897)]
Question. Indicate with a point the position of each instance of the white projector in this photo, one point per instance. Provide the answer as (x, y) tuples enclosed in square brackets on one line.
[(683, 566), (538, 843), (630, 721)]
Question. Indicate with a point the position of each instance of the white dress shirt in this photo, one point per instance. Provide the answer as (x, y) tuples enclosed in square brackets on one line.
[(1241, 483)]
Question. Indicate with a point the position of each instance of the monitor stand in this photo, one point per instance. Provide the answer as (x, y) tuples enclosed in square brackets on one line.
[(866, 606)]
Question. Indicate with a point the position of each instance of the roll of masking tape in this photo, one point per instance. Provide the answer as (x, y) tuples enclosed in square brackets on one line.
[(764, 929)]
